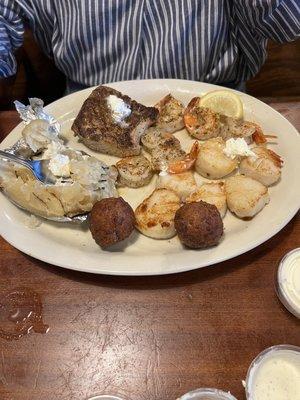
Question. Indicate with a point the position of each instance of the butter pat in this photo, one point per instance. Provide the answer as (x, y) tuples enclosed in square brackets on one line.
[(238, 147), (59, 165), (120, 110)]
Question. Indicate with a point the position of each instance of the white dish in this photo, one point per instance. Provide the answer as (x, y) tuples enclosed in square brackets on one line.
[(288, 281), (274, 374), (73, 247), (104, 397), (207, 394)]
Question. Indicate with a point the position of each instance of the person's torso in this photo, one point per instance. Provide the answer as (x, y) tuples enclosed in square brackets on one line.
[(100, 41)]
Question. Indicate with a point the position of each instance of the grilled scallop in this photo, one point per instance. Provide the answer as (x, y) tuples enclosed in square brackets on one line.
[(183, 184), (212, 193), (170, 118), (211, 162), (155, 215), (265, 167), (245, 196), (135, 171)]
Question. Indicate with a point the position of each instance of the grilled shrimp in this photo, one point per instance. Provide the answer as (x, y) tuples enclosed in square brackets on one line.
[(245, 196), (163, 147), (201, 122), (250, 131), (265, 168), (180, 166), (135, 171), (204, 124), (183, 184), (164, 155), (155, 215), (212, 193), (211, 162), (236, 128), (170, 117)]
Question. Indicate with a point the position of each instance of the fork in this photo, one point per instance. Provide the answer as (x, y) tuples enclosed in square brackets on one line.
[(39, 168)]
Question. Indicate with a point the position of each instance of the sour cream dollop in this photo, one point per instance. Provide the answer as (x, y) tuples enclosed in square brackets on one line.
[(59, 165), (238, 147)]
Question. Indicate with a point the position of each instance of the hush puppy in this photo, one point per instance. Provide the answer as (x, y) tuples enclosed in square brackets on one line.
[(199, 225), (111, 221)]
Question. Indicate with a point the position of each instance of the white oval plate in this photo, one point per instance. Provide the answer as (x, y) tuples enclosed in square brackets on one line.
[(72, 247)]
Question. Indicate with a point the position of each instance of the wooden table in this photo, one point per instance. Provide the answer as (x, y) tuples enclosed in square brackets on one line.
[(151, 338)]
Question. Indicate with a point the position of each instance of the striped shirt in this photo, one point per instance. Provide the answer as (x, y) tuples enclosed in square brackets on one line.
[(101, 41)]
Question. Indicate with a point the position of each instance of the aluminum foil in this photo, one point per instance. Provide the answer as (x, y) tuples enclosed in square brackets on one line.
[(35, 110), (29, 113), (20, 149)]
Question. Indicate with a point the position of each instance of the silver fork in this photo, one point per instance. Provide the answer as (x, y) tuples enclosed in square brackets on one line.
[(39, 168)]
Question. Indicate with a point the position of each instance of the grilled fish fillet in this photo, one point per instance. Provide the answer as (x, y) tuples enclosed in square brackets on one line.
[(96, 126)]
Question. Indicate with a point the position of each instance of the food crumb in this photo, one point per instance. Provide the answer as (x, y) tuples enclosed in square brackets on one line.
[(243, 383), (32, 222)]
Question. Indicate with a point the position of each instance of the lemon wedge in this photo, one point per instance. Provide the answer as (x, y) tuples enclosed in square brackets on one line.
[(224, 102)]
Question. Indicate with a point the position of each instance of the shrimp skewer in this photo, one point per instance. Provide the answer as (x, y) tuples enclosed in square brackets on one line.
[(258, 136), (204, 124)]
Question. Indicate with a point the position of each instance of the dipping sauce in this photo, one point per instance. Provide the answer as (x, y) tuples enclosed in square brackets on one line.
[(288, 281), (104, 397), (207, 394), (275, 374)]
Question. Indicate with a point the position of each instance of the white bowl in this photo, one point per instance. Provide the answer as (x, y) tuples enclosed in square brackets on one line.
[(207, 394), (288, 301), (104, 397), (257, 362)]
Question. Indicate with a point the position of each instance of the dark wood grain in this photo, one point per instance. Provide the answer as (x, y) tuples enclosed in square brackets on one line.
[(147, 338), (280, 76), (8, 120)]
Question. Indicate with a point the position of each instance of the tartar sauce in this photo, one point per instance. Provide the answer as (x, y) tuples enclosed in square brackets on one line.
[(59, 165), (275, 375), (238, 147)]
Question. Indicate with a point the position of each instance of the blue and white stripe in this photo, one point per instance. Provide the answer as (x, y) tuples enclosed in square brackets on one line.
[(100, 41)]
